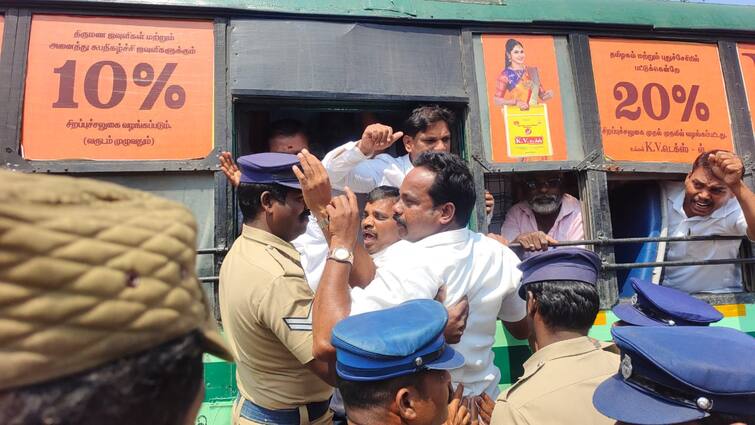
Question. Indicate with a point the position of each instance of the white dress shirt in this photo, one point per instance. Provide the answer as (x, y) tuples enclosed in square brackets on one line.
[(728, 220), (469, 264), (348, 166), (313, 250)]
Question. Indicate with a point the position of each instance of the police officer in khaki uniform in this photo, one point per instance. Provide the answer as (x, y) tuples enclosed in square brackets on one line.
[(266, 303), (561, 376)]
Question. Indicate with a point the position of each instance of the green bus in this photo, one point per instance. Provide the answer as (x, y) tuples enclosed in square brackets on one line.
[(621, 96)]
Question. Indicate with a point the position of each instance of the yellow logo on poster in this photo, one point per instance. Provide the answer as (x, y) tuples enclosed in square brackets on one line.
[(527, 131)]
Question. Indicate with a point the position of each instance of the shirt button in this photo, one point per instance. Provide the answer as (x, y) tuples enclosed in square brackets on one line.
[(540, 363)]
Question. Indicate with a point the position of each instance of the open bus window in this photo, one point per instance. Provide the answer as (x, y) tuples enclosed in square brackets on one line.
[(325, 127), (545, 201), (654, 209)]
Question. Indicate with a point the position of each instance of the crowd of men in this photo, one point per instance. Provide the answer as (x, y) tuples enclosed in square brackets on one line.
[(385, 314)]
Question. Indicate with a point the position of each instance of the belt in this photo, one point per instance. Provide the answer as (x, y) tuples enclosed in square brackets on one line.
[(257, 413)]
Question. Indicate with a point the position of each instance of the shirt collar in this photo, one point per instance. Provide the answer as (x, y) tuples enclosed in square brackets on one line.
[(269, 239), (557, 350), (445, 238)]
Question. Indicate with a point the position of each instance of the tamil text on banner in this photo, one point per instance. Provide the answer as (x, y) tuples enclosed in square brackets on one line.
[(118, 89), (660, 101), (524, 98), (747, 63)]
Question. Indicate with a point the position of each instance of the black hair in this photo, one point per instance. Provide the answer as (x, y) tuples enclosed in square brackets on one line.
[(155, 387), (453, 183), (287, 128), (382, 192), (510, 44), (369, 395), (702, 160), (566, 304), (249, 194), (424, 116)]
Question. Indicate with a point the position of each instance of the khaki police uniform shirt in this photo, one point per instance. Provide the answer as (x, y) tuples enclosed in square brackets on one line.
[(266, 308), (558, 384)]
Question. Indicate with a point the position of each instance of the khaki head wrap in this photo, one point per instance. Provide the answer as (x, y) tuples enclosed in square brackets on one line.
[(90, 272)]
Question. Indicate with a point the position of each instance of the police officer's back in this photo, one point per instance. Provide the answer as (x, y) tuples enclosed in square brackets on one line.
[(560, 377), (265, 301)]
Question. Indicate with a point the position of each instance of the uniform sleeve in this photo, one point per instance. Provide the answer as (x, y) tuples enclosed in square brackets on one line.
[(513, 307), (394, 285), (348, 166), (287, 311), (505, 414)]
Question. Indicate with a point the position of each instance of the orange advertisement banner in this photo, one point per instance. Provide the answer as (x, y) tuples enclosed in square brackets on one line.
[(523, 93), (747, 64), (118, 89), (660, 101)]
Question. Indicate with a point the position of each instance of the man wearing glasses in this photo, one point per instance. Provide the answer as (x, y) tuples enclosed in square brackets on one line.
[(546, 216)]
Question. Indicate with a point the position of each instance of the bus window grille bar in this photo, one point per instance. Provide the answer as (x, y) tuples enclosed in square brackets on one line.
[(618, 241)]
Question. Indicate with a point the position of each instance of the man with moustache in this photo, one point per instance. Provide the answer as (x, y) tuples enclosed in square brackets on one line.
[(265, 301), (362, 167), (435, 204), (379, 229), (547, 216), (713, 200)]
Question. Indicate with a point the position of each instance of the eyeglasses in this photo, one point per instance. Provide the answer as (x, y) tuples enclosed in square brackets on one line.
[(551, 183)]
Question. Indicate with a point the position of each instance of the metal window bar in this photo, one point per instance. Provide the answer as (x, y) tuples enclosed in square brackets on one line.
[(621, 266)]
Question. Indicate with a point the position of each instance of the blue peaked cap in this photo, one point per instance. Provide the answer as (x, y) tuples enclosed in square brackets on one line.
[(394, 342), (560, 264), (269, 168), (670, 375), (655, 305)]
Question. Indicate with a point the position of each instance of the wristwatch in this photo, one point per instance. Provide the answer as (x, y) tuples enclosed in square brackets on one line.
[(342, 255)]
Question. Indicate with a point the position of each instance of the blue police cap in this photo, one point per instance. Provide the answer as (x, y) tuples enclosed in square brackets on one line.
[(560, 264), (394, 342), (655, 305), (269, 167), (670, 375)]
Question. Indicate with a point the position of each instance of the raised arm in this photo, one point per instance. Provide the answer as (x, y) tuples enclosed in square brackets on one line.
[(352, 164), (332, 301), (316, 189), (728, 167)]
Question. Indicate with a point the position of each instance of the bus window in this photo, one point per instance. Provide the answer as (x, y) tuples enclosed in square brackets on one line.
[(637, 210), (546, 201), (325, 128), (653, 208)]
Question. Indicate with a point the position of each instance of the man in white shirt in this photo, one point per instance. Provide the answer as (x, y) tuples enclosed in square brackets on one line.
[(712, 201), (436, 201), (360, 165)]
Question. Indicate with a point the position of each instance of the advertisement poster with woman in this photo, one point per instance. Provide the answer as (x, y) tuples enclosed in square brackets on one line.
[(524, 102)]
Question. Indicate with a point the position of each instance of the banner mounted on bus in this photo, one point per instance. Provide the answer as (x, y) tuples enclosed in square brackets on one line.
[(660, 101), (118, 89), (524, 98), (747, 65)]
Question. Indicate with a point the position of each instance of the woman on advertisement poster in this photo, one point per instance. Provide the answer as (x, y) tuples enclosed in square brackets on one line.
[(519, 84)]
